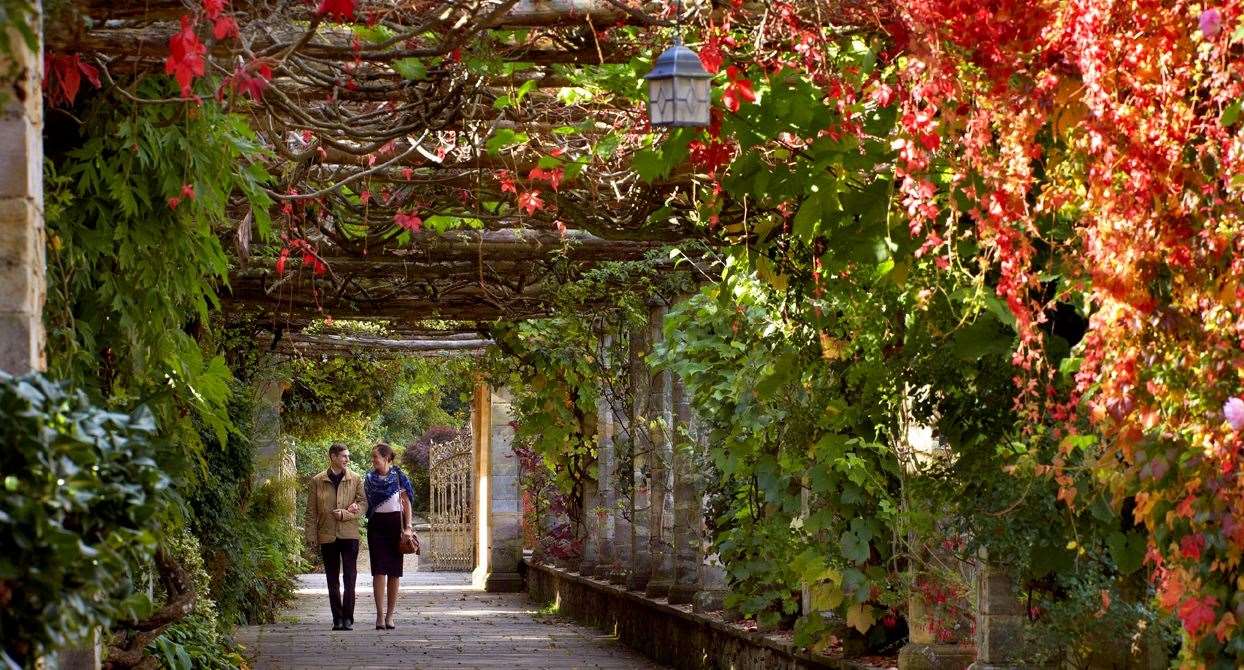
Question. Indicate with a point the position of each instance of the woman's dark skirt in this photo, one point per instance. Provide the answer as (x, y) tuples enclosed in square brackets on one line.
[(384, 533)]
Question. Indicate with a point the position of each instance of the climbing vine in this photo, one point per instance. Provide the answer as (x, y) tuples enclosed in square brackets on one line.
[(977, 257)]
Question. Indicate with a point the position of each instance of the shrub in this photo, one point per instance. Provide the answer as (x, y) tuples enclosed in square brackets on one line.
[(196, 642), (79, 509), (250, 548)]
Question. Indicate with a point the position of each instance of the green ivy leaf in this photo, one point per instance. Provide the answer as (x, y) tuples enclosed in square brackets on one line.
[(854, 548), (1127, 550), (413, 69), (1230, 114), (504, 138)]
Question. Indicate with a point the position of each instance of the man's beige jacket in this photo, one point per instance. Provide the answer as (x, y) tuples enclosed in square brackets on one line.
[(321, 525)]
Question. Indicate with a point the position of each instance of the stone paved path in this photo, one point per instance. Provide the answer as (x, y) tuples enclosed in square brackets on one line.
[(442, 622)]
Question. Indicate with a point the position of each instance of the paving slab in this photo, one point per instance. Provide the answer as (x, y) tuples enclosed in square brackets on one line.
[(442, 622)]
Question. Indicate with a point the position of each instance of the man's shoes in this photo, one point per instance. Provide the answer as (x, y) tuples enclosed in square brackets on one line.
[(337, 624), (347, 624)]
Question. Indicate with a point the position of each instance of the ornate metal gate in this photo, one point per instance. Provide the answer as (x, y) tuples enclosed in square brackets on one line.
[(451, 541)]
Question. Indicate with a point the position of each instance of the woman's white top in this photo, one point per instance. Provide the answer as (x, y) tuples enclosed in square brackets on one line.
[(393, 504)]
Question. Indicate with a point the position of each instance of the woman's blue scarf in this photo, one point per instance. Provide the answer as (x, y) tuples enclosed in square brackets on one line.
[(380, 488)]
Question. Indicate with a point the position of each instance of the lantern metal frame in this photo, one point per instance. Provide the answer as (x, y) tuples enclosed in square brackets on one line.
[(682, 67)]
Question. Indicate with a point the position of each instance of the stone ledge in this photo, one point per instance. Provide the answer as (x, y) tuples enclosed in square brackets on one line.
[(667, 633)]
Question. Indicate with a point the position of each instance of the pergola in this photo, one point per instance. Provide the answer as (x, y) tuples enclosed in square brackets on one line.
[(437, 160)]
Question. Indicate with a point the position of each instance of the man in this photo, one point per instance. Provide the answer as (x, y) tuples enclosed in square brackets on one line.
[(333, 507)]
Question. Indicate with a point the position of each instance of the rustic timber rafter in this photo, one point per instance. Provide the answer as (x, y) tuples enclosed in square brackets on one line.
[(396, 114)]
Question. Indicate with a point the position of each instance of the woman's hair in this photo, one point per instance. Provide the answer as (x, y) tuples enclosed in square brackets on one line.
[(385, 451)]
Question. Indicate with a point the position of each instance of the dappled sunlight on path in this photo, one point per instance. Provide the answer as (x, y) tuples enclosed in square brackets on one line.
[(442, 622)]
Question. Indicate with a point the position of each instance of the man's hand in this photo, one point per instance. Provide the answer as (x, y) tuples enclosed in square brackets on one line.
[(353, 508), (339, 514)]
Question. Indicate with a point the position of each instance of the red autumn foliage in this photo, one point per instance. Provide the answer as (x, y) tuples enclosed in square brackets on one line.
[(224, 26), (410, 222), (507, 182), (185, 56), (342, 10), (62, 77), (248, 81), (529, 201), (552, 176), (738, 89), (1131, 99)]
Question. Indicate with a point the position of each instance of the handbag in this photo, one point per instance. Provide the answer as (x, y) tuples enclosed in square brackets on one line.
[(409, 544)]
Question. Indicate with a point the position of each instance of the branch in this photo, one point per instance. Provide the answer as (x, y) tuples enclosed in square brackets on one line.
[(128, 648)]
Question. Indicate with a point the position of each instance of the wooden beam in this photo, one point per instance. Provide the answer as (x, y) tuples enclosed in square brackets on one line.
[(305, 341), (505, 245), (523, 14), (148, 45)]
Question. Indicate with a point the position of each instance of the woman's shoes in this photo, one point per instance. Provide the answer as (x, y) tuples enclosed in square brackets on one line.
[(388, 623)]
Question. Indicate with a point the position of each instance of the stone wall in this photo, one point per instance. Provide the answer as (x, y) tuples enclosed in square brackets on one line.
[(666, 633), (22, 262)]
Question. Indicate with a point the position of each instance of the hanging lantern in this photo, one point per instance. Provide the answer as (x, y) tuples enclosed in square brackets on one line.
[(678, 89)]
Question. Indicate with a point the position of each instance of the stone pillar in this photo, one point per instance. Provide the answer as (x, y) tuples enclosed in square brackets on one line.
[(999, 620), (641, 462), (688, 539), (266, 429), (711, 595), (713, 585), (619, 513), (22, 248), (923, 650), (88, 656), (604, 473), (481, 424), (661, 511), (273, 454), (591, 524), (505, 536)]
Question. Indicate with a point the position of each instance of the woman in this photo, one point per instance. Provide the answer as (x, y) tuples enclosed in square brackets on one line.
[(388, 518)]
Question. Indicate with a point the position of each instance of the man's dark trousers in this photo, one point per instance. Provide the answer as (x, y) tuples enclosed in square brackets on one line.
[(341, 556)]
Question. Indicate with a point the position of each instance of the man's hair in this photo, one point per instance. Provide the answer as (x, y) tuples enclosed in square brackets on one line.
[(337, 448)]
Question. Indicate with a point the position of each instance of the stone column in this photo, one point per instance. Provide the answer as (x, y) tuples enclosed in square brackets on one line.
[(711, 595), (641, 462), (481, 428), (266, 429), (623, 448), (22, 248), (273, 455), (713, 585), (999, 619), (661, 512), (688, 539), (590, 523), (604, 473), (924, 651), (505, 537)]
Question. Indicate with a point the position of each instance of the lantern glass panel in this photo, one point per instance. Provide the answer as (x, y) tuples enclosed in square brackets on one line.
[(661, 104), (692, 106)]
